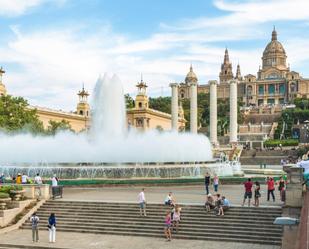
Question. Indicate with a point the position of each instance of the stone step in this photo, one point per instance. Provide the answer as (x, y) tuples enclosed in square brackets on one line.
[(136, 214), (201, 214), (213, 222), (159, 227), (155, 206), (243, 210), (211, 236), (14, 246)]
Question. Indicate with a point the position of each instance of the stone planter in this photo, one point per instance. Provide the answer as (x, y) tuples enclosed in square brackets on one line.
[(3, 202), (17, 194)]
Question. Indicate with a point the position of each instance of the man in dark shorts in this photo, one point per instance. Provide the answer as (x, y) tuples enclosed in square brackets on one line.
[(248, 191)]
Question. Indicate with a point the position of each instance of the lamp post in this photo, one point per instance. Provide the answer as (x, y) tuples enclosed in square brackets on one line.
[(306, 131)]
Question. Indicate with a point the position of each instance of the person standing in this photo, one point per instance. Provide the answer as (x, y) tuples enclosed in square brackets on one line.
[(216, 183), (257, 194), (270, 188), (18, 179), (24, 179), (2, 179), (167, 226), (207, 182), (281, 186), (34, 219), (39, 182), (55, 181), (52, 228), (142, 202), (248, 191)]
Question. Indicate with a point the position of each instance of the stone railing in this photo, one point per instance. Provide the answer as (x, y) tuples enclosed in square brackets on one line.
[(35, 191)]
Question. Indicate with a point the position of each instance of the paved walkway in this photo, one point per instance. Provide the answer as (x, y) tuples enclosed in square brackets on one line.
[(183, 194), (94, 241)]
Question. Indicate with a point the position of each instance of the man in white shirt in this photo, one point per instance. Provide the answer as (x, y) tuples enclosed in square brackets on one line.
[(38, 179), (54, 181), (142, 202), (24, 179)]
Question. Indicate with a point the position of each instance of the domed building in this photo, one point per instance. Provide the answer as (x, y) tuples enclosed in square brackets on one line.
[(275, 84)]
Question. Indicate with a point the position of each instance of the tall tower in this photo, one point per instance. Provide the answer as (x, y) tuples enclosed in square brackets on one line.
[(238, 73), (191, 80), (2, 86), (226, 73), (83, 107), (141, 100)]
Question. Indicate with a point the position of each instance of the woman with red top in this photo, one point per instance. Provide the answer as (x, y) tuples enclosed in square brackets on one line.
[(270, 188)]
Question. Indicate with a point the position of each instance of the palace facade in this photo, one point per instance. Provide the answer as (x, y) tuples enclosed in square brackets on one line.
[(274, 85), (140, 116)]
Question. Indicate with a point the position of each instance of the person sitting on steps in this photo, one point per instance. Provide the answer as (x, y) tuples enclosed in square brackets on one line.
[(210, 203)]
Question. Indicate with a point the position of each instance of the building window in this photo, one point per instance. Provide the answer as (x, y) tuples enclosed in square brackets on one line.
[(260, 102), (293, 87), (261, 90), (281, 88), (225, 72), (182, 94), (139, 122), (81, 112), (140, 104), (270, 101), (87, 113), (271, 89), (249, 90), (281, 101)]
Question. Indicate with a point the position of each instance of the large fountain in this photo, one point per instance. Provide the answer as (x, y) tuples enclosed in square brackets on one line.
[(109, 149)]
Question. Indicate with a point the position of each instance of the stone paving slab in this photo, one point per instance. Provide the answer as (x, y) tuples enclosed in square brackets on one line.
[(95, 241), (194, 194)]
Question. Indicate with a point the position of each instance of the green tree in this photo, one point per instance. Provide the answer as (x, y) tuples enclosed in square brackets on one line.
[(129, 101), (55, 126), (162, 104), (15, 115)]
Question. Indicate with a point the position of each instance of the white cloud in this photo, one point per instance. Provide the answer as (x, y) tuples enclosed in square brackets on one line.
[(19, 7), (52, 64)]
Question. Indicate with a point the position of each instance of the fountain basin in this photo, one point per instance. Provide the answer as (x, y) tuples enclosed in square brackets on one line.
[(120, 170)]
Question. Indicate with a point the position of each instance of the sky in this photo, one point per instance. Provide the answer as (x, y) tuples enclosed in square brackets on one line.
[(49, 48)]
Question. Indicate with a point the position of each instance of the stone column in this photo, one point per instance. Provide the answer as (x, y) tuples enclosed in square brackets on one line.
[(193, 107), (213, 112), (233, 111), (175, 108)]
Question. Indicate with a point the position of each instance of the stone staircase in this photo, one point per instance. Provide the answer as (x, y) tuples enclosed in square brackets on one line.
[(240, 224)]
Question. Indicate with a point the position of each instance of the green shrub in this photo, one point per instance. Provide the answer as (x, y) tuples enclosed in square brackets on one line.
[(277, 142), (8, 188), (4, 195)]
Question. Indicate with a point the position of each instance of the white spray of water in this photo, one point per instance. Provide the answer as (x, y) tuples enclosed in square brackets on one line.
[(109, 140)]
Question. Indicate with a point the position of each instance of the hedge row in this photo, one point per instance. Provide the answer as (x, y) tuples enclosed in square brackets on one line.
[(277, 142)]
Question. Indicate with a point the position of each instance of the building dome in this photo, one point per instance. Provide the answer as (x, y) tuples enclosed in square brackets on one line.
[(191, 76), (274, 54)]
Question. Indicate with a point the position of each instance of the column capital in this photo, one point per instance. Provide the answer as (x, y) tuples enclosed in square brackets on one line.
[(192, 83), (233, 82), (174, 85), (213, 82)]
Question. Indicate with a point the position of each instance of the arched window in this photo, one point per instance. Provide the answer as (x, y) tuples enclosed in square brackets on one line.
[(81, 112), (140, 104), (225, 72), (293, 87), (271, 89)]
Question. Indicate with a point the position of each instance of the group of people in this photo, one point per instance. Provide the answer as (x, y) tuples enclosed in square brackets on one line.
[(22, 178), (172, 217), (218, 203), (51, 225), (270, 182)]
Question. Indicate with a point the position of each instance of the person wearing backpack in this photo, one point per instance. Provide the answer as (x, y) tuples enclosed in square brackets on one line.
[(34, 219)]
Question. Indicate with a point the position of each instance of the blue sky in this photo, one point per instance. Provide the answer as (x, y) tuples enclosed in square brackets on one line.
[(50, 47)]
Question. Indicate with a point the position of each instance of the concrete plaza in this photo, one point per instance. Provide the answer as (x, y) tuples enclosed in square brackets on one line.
[(194, 194)]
